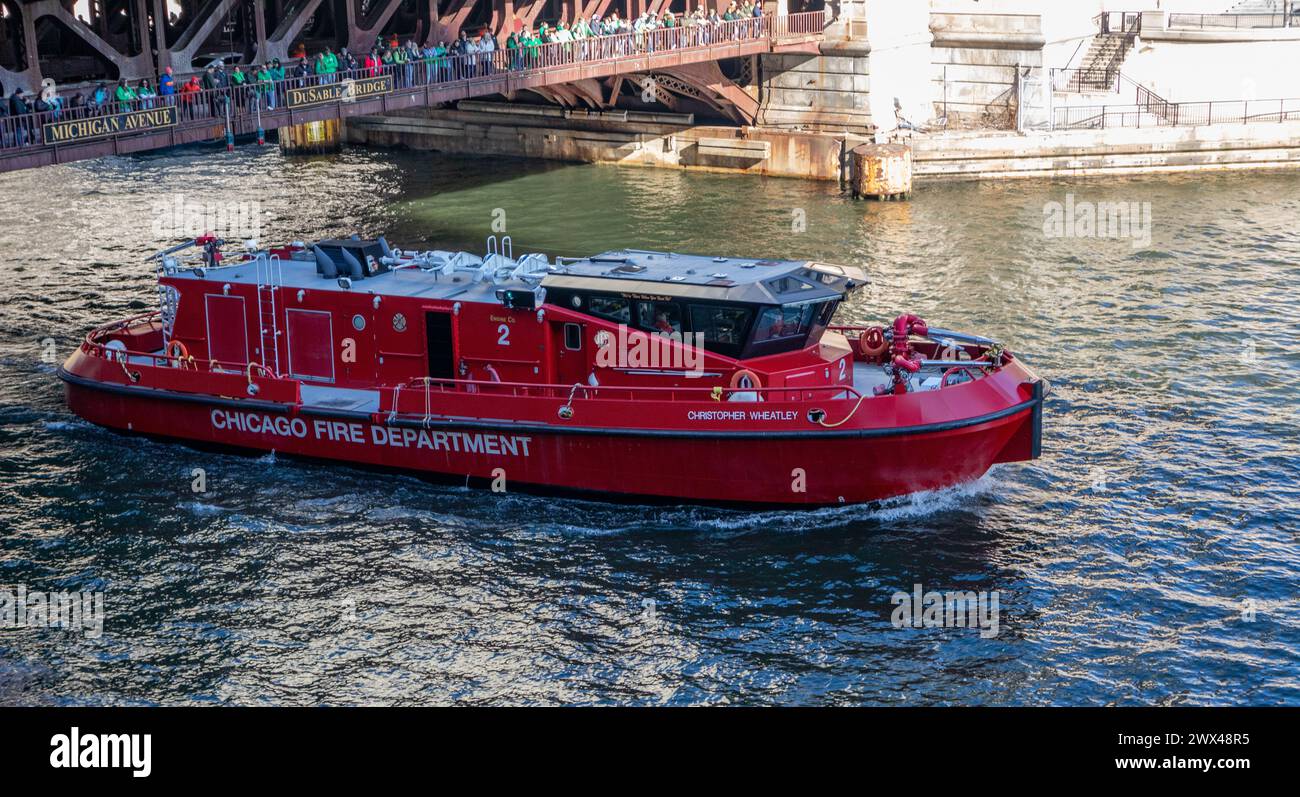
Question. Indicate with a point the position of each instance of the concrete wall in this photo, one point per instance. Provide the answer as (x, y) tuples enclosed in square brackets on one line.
[(1084, 153), (820, 92), (900, 40), (974, 62), (546, 133)]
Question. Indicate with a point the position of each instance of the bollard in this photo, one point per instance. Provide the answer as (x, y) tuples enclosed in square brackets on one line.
[(880, 171)]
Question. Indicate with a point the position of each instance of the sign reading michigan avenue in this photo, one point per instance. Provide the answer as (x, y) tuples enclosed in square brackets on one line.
[(342, 91), (97, 126)]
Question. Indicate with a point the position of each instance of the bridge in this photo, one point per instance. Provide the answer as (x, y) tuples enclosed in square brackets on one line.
[(591, 71)]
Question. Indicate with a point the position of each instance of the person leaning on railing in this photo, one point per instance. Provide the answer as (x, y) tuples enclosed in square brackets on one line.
[(264, 87), (146, 94), (125, 95), (167, 87), (325, 65), (401, 62), (19, 109), (189, 95), (238, 87), (514, 52)]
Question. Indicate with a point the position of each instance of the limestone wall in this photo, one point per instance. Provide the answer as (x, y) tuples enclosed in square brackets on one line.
[(974, 58), (818, 92), (1086, 153)]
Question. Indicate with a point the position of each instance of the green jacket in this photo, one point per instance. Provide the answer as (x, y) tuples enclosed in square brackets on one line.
[(125, 94)]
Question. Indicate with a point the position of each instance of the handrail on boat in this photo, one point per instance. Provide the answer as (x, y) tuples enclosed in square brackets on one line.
[(632, 392), (93, 345)]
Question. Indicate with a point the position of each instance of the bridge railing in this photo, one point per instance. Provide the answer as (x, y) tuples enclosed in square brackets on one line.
[(1231, 21), (240, 107)]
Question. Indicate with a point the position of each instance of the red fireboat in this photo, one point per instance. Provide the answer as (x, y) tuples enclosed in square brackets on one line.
[(627, 373)]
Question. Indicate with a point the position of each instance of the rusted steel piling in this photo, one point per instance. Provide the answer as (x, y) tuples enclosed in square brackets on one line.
[(880, 171), (311, 138)]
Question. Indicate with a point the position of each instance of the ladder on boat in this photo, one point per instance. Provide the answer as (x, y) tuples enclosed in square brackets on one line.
[(270, 278)]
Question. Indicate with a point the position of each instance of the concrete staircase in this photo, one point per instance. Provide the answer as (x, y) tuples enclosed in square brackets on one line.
[(1101, 63)]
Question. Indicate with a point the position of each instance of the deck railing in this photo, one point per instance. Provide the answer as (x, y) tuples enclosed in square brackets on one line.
[(424, 388), (241, 107)]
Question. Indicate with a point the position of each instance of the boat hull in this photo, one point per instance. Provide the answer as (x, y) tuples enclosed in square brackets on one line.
[(816, 467)]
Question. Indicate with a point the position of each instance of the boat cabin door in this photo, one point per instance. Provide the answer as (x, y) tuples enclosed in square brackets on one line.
[(572, 360), (441, 345)]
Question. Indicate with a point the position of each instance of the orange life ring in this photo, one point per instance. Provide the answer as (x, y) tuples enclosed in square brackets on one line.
[(872, 342), (745, 374), (177, 351)]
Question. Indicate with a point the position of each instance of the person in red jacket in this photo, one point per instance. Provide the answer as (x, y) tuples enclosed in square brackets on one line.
[(189, 93), (373, 63)]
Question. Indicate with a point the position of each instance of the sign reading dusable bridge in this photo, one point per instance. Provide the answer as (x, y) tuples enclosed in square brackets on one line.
[(342, 91), (75, 130)]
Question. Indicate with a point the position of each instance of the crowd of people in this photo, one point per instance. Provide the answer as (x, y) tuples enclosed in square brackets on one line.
[(219, 89)]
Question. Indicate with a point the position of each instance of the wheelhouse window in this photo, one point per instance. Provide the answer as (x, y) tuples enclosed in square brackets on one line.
[(662, 317), (787, 321), (788, 327), (723, 329), (789, 285), (614, 308)]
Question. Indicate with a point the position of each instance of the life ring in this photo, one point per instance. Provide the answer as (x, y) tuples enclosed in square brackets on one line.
[(177, 352), (872, 342), (745, 374)]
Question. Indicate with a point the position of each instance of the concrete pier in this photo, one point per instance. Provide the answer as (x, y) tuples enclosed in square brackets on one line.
[(623, 137)]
